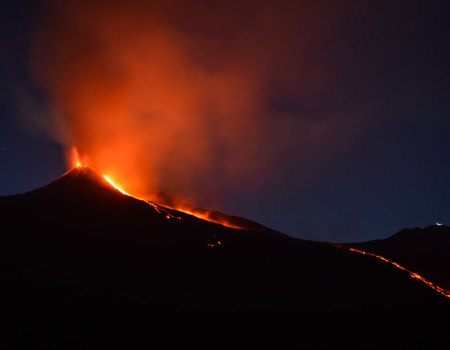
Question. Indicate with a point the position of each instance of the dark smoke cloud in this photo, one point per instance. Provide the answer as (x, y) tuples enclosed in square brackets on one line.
[(192, 97)]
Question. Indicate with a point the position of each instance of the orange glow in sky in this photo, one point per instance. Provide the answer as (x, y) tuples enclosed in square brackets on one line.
[(165, 96)]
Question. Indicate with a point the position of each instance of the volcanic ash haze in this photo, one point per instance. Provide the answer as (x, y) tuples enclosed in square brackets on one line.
[(190, 98)]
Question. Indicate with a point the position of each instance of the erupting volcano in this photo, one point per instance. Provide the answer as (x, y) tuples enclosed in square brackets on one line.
[(162, 199), (83, 241), (224, 161)]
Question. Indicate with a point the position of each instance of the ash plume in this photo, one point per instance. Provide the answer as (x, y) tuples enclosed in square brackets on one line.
[(188, 97)]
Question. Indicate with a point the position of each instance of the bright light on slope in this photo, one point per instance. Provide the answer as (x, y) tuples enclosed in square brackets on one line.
[(412, 274), (114, 185), (159, 209)]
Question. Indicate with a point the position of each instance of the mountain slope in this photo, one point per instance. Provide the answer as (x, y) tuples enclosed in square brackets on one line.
[(212, 215), (424, 251), (79, 247), (79, 224)]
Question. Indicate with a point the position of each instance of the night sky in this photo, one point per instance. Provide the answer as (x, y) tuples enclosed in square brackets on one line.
[(325, 120)]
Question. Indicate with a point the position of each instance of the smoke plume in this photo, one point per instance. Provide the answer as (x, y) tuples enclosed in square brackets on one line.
[(188, 97)]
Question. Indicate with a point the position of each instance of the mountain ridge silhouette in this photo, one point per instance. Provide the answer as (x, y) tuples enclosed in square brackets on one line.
[(80, 247)]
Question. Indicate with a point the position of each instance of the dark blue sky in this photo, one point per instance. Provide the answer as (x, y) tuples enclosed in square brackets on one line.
[(354, 113)]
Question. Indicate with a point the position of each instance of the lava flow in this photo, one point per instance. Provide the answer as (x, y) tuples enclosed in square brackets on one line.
[(159, 209), (411, 274), (205, 215), (114, 185), (201, 215)]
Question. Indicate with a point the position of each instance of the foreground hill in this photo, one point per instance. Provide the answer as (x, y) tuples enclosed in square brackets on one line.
[(425, 251), (78, 250)]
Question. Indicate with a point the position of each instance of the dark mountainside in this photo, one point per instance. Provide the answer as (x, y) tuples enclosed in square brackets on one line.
[(78, 251), (424, 251), (214, 216)]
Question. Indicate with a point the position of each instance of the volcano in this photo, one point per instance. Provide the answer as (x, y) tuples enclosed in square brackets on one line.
[(79, 246)]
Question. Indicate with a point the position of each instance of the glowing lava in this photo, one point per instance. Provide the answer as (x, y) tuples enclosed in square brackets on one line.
[(158, 208), (76, 161), (206, 216), (412, 274), (114, 185)]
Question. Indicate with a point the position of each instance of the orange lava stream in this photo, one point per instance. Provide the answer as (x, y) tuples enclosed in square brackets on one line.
[(412, 274), (77, 162), (115, 186), (207, 218), (162, 210), (158, 209)]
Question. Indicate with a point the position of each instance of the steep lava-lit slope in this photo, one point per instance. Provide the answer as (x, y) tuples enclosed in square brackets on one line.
[(212, 215), (80, 244), (424, 251)]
